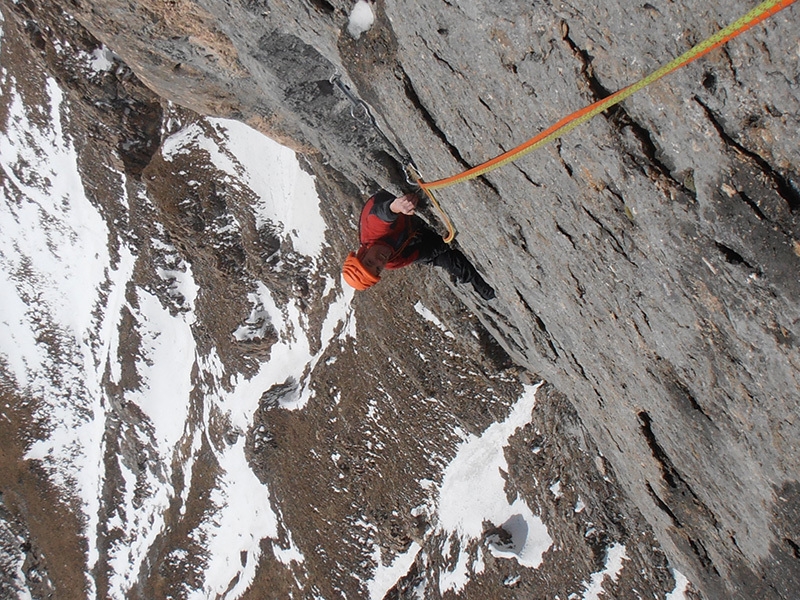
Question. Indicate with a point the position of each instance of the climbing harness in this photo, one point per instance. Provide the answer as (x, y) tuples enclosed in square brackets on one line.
[(761, 12)]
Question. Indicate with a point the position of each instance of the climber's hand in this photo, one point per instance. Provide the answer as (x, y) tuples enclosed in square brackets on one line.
[(404, 204)]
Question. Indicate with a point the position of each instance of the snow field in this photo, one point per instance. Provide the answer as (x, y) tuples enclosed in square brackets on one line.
[(473, 491), (54, 264), (56, 275)]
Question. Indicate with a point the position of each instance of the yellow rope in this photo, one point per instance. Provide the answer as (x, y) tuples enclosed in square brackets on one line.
[(417, 178), (759, 13)]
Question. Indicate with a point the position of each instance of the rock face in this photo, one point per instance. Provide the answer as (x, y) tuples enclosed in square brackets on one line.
[(647, 265)]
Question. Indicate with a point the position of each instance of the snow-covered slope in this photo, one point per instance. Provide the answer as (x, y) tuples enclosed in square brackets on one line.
[(64, 296)]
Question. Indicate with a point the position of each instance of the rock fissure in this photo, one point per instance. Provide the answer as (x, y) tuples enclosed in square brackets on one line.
[(586, 70), (569, 237), (610, 235), (440, 59), (733, 257), (527, 176), (781, 184), (619, 117), (794, 547), (622, 120), (567, 167), (663, 505), (753, 205), (668, 471), (686, 393), (730, 64), (484, 179), (702, 555), (695, 508), (430, 121)]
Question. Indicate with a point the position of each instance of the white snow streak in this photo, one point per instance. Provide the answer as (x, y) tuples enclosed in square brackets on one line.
[(53, 262), (287, 194), (473, 491), (386, 577), (681, 585), (232, 536), (614, 558), (63, 298), (428, 315), (164, 365), (286, 198)]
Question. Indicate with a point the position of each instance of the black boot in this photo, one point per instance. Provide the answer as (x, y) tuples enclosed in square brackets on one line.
[(434, 251), (483, 289)]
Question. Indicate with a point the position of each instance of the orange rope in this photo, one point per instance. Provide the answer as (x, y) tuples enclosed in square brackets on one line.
[(761, 12)]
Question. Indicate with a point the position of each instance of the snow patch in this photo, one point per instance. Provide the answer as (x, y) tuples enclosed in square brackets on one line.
[(681, 586), (386, 577), (555, 489), (361, 19), (473, 491), (12, 562), (101, 60), (232, 534), (614, 559), (164, 365), (257, 324), (290, 357), (428, 315), (287, 195)]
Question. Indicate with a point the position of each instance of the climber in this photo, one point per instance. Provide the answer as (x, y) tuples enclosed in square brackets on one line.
[(392, 236)]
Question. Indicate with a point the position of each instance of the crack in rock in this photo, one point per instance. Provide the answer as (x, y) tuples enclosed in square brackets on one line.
[(782, 185)]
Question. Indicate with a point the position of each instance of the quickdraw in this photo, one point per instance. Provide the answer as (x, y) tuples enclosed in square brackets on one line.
[(413, 176), (336, 79)]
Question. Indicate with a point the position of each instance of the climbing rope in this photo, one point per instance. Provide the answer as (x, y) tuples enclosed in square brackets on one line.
[(759, 13), (415, 177)]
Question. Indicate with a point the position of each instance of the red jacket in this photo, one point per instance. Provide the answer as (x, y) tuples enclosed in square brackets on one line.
[(379, 224)]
